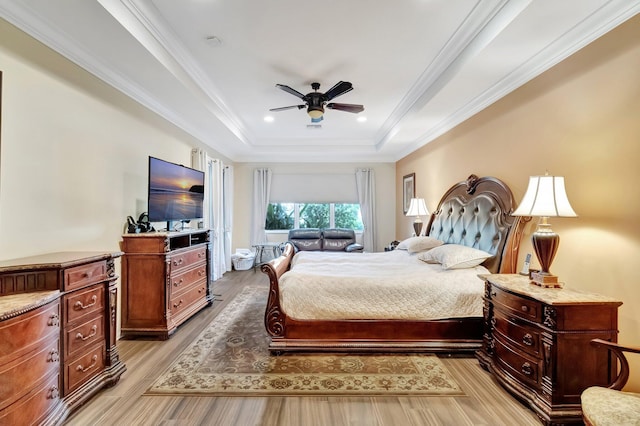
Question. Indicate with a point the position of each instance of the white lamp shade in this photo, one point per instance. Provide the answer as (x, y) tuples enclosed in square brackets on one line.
[(417, 207), (545, 196)]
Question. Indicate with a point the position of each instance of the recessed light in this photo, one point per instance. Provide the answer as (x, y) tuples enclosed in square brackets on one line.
[(362, 119), (268, 118)]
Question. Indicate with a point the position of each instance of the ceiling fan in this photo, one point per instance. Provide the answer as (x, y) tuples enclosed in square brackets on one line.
[(315, 101)]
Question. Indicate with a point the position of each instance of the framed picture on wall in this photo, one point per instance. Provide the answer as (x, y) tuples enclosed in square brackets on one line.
[(408, 190)]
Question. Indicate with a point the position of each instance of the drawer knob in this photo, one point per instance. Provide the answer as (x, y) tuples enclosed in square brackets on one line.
[(175, 305), (94, 360), (526, 369), (54, 320), (524, 308), (93, 332), (200, 255), (177, 283), (53, 393), (201, 273), (178, 262), (493, 294), (54, 356), (527, 339), (80, 306)]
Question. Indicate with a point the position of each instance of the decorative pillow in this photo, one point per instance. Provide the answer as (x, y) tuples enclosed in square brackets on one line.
[(454, 256), (416, 244), (423, 244)]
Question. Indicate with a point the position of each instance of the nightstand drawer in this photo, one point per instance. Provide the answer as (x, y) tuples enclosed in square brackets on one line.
[(516, 305), (520, 335), (517, 364)]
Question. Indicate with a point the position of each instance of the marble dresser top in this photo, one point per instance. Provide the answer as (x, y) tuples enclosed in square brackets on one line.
[(16, 304), (551, 296)]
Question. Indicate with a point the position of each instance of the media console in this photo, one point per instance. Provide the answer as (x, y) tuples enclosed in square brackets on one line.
[(165, 281)]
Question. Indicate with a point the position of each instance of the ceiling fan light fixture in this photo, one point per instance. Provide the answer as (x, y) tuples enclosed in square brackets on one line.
[(315, 113)]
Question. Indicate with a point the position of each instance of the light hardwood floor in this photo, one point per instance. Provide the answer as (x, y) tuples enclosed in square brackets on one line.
[(485, 402)]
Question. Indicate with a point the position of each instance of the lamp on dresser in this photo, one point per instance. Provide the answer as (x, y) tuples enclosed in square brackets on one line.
[(417, 208), (545, 197)]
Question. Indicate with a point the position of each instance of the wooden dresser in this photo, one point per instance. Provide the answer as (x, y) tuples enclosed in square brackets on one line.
[(536, 343), (58, 343), (30, 358), (165, 281)]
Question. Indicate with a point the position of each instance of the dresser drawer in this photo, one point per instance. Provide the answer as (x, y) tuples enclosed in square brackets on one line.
[(84, 275), (187, 258), (522, 336), (183, 301), (516, 305), (34, 406), (83, 302), (182, 281), (18, 335), (83, 335), (522, 367), (82, 369), (20, 376)]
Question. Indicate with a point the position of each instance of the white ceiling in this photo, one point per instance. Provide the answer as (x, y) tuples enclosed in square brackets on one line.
[(420, 67)]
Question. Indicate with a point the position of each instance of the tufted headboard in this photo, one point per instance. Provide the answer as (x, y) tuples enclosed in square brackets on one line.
[(477, 213)]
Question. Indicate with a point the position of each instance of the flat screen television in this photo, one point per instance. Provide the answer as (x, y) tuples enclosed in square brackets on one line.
[(176, 192)]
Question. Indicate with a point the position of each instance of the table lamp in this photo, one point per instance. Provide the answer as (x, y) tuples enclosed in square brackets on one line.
[(545, 197), (417, 208)]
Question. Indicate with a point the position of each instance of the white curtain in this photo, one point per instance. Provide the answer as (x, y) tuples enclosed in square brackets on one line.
[(227, 195), (261, 190), (366, 186), (214, 217)]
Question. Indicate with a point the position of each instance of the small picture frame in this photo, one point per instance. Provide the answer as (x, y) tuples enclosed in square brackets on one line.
[(408, 190)]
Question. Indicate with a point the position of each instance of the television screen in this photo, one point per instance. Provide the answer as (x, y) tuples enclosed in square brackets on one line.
[(175, 192)]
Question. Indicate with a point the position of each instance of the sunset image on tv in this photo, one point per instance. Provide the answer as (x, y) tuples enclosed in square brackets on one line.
[(175, 192)]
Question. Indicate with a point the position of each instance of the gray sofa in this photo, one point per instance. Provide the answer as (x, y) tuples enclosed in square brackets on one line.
[(330, 239)]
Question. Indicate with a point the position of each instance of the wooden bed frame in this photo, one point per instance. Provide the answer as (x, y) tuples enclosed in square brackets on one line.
[(445, 335)]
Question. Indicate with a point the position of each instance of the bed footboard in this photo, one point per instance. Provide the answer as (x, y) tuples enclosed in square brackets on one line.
[(274, 317)]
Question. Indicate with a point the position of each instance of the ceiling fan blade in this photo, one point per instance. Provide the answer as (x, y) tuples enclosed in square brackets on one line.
[(346, 107), (288, 89), (340, 88), (287, 107)]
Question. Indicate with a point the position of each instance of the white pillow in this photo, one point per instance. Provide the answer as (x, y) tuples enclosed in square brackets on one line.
[(454, 256), (423, 244), (416, 244)]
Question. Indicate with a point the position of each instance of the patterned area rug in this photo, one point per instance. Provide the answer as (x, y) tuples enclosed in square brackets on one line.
[(230, 357)]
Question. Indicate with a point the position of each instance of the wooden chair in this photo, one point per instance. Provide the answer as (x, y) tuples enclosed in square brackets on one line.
[(609, 406)]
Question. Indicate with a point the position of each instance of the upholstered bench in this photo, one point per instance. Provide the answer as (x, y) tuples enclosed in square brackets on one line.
[(330, 239)]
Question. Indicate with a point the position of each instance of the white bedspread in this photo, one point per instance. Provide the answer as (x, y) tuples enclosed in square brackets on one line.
[(387, 285)]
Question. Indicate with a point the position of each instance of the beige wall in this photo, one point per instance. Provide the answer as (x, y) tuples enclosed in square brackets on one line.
[(581, 120), (73, 153), (385, 192)]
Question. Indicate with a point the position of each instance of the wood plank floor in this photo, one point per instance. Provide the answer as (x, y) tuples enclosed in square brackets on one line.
[(485, 402)]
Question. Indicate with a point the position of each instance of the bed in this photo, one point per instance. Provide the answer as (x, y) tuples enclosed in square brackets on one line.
[(326, 302)]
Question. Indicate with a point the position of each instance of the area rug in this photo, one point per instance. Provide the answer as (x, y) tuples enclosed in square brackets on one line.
[(231, 357)]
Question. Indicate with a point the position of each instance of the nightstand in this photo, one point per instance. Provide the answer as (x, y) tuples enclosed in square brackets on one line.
[(536, 343)]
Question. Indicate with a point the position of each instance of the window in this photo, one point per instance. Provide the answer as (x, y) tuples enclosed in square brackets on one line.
[(284, 216)]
